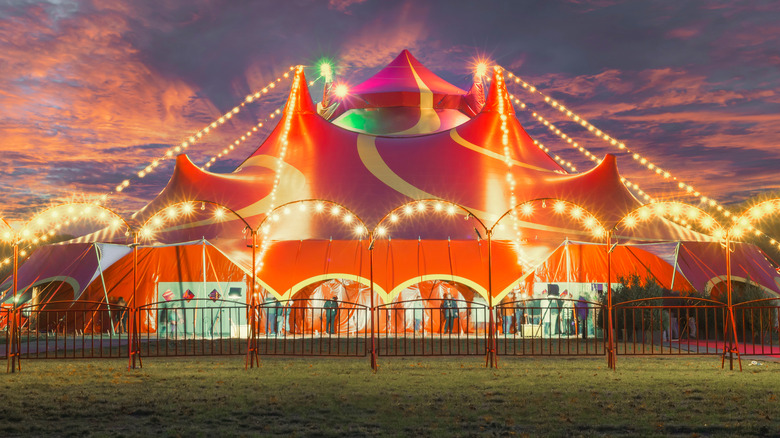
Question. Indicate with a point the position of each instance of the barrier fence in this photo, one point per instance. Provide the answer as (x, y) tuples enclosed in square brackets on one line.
[(324, 329), (536, 327), (433, 327)]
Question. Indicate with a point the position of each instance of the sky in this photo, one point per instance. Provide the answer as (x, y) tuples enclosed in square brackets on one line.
[(92, 92)]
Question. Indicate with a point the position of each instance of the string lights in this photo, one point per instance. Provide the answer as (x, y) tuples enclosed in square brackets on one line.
[(510, 179), (199, 135), (246, 136), (644, 161), (577, 147), (283, 139)]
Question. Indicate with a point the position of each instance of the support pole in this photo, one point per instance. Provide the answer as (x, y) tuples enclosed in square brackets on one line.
[(252, 356), (730, 325), (134, 351), (373, 307), (491, 358), (611, 356), (14, 351)]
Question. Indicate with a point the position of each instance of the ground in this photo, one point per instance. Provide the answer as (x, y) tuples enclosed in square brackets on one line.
[(406, 397)]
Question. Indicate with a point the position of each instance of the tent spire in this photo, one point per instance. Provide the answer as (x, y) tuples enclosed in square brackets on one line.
[(498, 94), (299, 100)]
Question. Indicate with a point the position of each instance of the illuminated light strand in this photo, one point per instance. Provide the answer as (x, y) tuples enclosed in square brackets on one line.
[(246, 136), (419, 207), (584, 151), (590, 222), (744, 223), (199, 135), (51, 220), (287, 123), (681, 213), (645, 162), (560, 160), (510, 179)]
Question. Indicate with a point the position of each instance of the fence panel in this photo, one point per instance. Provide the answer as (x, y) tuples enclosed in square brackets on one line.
[(417, 328), (648, 327), (549, 327), (197, 327), (5, 321), (72, 330), (757, 328), (317, 330)]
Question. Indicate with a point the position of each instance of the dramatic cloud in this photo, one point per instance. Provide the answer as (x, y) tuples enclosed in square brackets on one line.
[(92, 92)]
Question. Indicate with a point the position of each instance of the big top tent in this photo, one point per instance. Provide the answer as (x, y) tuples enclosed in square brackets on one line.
[(403, 183)]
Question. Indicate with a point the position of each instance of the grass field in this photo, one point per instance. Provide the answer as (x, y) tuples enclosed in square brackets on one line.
[(407, 397)]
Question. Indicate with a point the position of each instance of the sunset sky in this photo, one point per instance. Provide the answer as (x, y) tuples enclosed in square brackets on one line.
[(91, 93)]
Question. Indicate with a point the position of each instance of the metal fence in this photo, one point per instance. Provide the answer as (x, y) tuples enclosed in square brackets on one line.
[(539, 327), (433, 327), (549, 327), (66, 329), (328, 328), (651, 327)]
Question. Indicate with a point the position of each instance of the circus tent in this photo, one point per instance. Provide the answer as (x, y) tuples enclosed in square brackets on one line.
[(404, 135)]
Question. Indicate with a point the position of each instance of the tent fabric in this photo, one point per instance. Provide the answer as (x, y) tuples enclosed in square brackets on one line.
[(405, 82), (370, 175)]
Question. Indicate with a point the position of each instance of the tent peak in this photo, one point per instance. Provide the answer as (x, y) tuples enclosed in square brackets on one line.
[(498, 88), (299, 100)]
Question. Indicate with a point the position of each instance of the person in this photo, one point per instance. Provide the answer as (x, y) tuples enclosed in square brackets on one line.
[(691, 327), (284, 322), (450, 311), (122, 315), (665, 324), (582, 316), (479, 314), (272, 306), (565, 305), (331, 314), (519, 313), (418, 313), (507, 312)]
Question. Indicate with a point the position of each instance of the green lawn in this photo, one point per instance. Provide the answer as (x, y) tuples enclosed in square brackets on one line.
[(407, 397)]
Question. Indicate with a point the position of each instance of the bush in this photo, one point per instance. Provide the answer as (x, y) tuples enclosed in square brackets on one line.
[(754, 321)]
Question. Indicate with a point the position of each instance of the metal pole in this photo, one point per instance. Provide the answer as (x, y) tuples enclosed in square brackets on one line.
[(132, 344), (611, 357), (373, 307), (14, 358), (732, 331), (252, 350), (491, 358)]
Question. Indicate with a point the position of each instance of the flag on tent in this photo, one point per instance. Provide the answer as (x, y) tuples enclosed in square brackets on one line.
[(168, 295), (214, 295), (188, 295)]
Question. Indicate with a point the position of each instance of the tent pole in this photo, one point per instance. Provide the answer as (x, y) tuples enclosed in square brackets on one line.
[(203, 265), (610, 332), (674, 267), (732, 329), (105, 292), (373, 308), (491, 359), (132, 343), (14, 352), (252, 358)]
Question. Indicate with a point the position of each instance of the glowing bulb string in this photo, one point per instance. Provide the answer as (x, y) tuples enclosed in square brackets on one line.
[(52, 221), (246, 136), (647, 164), (508, 160), (629, 184), (584, 151), (198, 136), (284, 141), (689, 189)]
